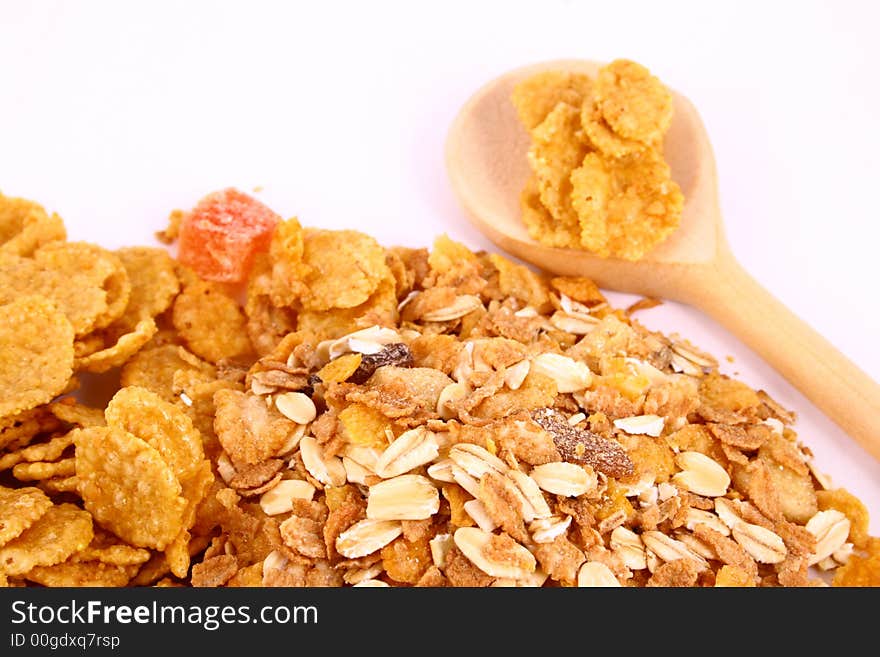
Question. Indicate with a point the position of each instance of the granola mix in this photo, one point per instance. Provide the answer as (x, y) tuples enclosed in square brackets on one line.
[(373, 416), (599, 181)]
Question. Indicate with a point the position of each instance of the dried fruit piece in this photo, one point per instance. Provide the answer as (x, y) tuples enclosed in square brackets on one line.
[(397, 354), (128, 487), (221, 234), (36, 353), (583, 446), (58, 533)]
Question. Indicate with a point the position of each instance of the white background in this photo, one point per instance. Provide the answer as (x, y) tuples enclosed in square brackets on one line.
[(113, 113)]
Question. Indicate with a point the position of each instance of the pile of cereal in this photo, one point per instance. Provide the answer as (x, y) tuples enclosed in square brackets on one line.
[(599, 181), (377, 416)]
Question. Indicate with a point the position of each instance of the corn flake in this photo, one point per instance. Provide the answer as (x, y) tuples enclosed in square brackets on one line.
[(364, 426), (536, 96), (19, 509), (25, 226), (21, 429), (128, 487), (520, 282), (267, 323), (160, 424), (59, 485), (154, 369), (633, 102), (46, 451), (601, 137), (81, 574), (211, 322), (195, 487), (68, 410), (558, 147), (625, 206), (852, 507), (124, 348), (406, 561), (36, 353), (345, 268), (288, 269), (380, 309), (40, 470), (154, 282), (107, 549), (340, 369), (89, 266), (861, 569), (81, 302), (58, 533), (580, 289), (451, 261), (541, 225)]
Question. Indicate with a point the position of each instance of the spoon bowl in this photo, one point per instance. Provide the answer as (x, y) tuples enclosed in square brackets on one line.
[(487, 166)]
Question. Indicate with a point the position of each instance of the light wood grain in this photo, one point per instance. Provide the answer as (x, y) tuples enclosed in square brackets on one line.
[(486, 162)]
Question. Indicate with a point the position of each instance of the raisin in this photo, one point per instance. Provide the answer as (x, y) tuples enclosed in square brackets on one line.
[(583, 446), (394, 354)]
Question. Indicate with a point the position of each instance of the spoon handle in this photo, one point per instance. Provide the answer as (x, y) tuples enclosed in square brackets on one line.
[(807, 360)]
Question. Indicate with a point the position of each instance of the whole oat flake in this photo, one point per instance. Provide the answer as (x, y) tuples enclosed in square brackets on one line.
[(362, 415)]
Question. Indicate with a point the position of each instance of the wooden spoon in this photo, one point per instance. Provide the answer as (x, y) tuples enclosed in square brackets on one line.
[(486, 160)]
